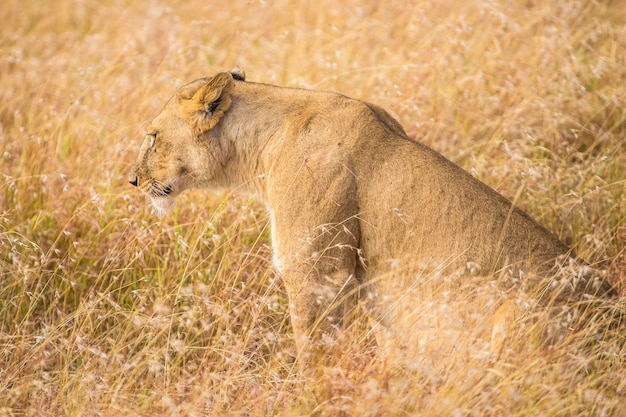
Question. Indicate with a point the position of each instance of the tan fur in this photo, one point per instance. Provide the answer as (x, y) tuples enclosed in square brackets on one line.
[(357, 208)]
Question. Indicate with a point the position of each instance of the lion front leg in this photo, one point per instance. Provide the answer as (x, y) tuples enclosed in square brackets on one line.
[(318, 272), (318, 312), (315, 236)]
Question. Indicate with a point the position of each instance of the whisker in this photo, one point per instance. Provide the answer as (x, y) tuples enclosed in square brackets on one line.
[(159, 189)]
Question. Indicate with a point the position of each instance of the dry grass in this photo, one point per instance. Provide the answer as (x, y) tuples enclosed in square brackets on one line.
[(107, 310)]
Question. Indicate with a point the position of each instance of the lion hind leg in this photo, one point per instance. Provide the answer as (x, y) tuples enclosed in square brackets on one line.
[(503, 324)]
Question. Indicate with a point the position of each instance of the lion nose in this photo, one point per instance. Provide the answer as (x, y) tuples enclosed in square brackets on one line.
[(134, 181)]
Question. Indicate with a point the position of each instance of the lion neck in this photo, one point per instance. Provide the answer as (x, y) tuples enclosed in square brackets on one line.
[(256, 125)]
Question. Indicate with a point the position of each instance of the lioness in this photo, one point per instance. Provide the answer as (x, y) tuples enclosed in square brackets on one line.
[(356, 207)]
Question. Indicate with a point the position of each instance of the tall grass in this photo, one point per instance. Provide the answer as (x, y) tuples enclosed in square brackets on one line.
[(106, 309)]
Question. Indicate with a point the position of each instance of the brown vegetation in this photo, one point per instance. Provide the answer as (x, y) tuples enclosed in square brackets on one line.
[(106, 309)]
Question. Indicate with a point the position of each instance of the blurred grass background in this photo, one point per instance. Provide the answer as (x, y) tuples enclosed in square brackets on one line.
[(106, 309)]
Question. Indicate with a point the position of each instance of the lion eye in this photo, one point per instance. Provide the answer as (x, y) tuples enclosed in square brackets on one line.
[(152, 140)]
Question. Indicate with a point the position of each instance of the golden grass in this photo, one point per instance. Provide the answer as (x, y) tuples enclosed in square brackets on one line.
[(106, 310)]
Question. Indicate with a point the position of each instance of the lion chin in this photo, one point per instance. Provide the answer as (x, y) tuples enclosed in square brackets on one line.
[(163, 206)]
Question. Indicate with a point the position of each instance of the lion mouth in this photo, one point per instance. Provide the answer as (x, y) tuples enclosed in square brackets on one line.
[(163, 196), (159, 189)]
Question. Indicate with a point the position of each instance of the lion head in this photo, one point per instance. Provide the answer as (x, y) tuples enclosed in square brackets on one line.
[(181, 149)]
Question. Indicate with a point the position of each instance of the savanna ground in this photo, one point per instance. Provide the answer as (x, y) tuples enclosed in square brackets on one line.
[(108, 310)]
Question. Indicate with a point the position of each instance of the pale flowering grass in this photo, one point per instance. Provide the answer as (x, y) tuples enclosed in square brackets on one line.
[(109, 310)]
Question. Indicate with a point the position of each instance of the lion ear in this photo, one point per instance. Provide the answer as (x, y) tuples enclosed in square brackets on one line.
[(207, 105)]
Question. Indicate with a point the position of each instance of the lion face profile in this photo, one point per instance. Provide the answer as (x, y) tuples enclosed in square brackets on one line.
[(357, 209), (172, 158)]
